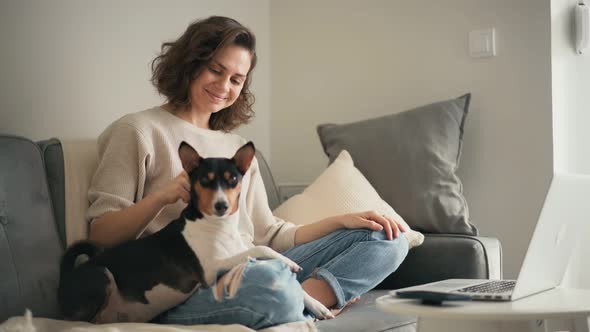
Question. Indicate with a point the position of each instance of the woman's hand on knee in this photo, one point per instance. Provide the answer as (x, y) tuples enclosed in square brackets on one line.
[(374, 221)]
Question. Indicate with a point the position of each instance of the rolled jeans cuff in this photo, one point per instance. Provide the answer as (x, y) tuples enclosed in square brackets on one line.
[(327, 276)]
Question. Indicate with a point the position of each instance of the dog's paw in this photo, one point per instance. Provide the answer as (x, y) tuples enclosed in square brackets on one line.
[(268, 253), (316, 308), (294, 267)]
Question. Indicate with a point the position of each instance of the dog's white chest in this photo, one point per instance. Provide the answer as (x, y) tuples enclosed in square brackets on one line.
[(212, 241)]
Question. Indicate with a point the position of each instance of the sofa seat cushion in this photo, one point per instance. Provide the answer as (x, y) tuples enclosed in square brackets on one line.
[(448, 256), (364, 316), (27, 323)]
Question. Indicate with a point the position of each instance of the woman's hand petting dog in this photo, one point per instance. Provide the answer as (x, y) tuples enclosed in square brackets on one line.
[(175, 189), (374, 221)]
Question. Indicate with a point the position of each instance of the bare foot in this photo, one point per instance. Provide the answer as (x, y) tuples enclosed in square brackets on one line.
[(336, 312)]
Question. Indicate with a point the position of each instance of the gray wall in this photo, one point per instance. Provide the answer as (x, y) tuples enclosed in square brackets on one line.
[(69, 68)]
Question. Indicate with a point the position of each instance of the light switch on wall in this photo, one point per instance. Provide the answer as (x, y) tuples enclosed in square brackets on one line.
[(482, 43)]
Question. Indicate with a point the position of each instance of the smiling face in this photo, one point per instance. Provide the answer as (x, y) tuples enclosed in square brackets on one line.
[(221, 80)]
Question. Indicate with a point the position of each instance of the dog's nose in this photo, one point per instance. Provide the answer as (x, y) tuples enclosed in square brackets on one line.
[(220, 208)]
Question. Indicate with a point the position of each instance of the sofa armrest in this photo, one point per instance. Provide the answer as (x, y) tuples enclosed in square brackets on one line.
[(448, 256), (52, 153)]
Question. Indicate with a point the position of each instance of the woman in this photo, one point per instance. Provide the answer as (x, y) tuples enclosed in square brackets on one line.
[(139, 186)]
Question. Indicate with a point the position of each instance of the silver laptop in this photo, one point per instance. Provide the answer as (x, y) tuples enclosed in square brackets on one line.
[(565, 209)]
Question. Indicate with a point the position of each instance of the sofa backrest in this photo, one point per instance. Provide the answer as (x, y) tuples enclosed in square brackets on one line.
[(54, 165), (272, 191), (30, 247), (54, 169)]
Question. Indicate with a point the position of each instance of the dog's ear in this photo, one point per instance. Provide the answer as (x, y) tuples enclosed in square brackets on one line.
[(243, 157), (188, 156)]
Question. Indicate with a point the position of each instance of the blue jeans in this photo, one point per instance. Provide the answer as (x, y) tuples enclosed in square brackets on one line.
[(351, 261)]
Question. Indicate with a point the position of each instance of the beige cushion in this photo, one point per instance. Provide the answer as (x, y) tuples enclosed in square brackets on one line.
[(80, 162), (340, 189)]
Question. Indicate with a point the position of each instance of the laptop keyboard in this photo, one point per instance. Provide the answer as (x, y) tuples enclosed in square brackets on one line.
[(496, 286)]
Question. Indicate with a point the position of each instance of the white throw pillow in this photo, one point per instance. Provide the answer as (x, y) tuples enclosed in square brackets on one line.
[(340, 189)]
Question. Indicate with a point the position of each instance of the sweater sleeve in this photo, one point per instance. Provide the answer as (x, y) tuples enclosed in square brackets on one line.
[(268, 229), (120, 177)]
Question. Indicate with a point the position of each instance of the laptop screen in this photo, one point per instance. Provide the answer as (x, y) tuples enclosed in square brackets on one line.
[(565, 208)]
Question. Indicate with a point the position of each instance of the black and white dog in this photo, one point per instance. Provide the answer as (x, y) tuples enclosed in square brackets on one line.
[(139, 279)]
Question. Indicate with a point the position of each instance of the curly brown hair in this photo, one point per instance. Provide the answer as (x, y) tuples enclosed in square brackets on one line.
[(182, 60)]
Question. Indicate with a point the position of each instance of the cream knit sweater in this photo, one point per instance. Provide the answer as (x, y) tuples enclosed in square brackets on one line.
[(138, 154)]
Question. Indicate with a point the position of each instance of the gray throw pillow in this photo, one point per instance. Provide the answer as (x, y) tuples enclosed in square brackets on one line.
[(411, 158)]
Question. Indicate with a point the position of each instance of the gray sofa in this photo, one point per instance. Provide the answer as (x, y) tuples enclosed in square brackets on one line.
[(32, 238)]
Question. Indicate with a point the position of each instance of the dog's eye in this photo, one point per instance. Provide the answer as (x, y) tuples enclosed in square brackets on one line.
[(233, 180), (204, 181)]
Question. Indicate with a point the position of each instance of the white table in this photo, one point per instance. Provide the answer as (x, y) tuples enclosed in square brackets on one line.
[(560, 309)]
